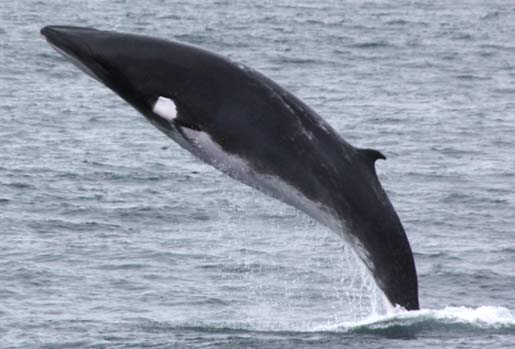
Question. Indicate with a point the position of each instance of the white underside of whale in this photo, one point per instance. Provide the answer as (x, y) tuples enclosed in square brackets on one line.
[(201, 145)]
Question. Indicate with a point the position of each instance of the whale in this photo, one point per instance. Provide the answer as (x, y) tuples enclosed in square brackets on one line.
[(252, 129)]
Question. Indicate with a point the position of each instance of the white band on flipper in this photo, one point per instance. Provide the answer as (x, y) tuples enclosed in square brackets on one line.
[(165, 108)]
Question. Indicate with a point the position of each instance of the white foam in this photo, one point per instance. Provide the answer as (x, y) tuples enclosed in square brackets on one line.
[(484, 315), (481, 317), (165, 108)]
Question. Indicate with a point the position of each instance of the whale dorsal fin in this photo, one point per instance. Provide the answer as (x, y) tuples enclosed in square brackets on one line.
[(369, 157), (372, 155)]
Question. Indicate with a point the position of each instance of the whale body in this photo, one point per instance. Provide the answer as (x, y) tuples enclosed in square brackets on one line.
[(252, 129)]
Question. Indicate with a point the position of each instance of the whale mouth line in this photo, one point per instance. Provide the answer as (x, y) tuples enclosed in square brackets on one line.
[(77, 62)]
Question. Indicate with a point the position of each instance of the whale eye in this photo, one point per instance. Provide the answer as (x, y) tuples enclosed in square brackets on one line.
[(165, 108)]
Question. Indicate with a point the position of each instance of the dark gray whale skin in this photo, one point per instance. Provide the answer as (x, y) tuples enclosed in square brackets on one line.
[(280, 145)]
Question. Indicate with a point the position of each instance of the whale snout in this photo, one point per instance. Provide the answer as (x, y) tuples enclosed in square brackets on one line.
[(52, 30), (71, 40)]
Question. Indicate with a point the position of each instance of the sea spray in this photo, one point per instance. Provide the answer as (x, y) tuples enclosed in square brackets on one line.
[(401, 322)]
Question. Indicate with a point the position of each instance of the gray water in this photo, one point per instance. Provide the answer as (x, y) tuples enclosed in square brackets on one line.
[(113, 237)]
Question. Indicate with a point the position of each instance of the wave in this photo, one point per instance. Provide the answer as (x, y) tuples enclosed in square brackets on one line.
[(401, 323)]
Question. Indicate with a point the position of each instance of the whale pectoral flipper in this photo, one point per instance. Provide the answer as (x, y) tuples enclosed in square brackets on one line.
[(185, 123)]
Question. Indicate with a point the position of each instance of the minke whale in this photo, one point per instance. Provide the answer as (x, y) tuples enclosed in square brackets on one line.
[(252, 129)]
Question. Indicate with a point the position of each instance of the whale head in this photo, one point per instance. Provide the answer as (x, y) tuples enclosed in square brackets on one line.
[(166, 81)]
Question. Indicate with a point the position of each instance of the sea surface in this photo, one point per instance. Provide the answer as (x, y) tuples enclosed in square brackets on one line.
[(111, 236)]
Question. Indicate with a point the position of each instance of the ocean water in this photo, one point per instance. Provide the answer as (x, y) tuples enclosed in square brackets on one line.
[(114, 237)]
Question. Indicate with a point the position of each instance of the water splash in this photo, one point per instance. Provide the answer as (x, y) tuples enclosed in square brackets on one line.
[(362, 295), (402, 323)]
